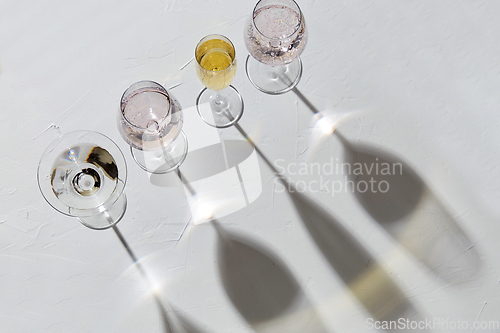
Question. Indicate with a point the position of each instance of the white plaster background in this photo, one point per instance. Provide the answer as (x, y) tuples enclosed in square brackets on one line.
[(419, 79)]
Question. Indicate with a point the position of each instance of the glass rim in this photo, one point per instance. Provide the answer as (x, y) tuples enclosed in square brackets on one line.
[(156, 87), (277, 39), (210, 37)]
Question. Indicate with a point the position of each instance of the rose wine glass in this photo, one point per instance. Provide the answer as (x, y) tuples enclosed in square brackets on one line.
[(219, 104), (275, 36), (83, 174), (150, 121)]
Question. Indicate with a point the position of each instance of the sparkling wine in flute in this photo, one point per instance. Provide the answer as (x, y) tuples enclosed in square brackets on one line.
[(217, 66), (219, 104)]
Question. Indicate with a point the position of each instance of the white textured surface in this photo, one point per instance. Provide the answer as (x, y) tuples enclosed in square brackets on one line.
[(419, 80)]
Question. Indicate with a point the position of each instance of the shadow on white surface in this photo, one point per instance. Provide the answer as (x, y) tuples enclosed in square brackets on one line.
[(171, 321), (262, 288), (407, 209), (361, 273), (259, 284), (412, 214), (182, 324)]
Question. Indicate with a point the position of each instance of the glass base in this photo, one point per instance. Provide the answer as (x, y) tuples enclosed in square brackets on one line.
[(108, 217), (222, 112), (162, 160), (273, 80)]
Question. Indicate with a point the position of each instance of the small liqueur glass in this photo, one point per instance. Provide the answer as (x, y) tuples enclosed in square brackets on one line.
[(275, 36), (219, 104), (150, 121), (83, 174)]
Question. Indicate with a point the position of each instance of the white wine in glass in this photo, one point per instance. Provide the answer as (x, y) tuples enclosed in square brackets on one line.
[(216, 57), (83, 174), (219, 104)]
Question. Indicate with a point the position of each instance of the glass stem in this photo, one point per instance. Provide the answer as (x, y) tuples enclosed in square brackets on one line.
[(166, 153), (218, 98)]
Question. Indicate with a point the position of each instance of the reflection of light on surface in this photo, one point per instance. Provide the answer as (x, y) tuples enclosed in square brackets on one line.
[(155, 286), (138, 270), (323, 125), (203, 208), (204, 211), (327, 121), (326, 125)]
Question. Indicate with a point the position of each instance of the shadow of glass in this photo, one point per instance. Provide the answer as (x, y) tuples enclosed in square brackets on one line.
[(397, 198), (182, 324), (262, 289), (171, 322), (410, 212), (364, 277)]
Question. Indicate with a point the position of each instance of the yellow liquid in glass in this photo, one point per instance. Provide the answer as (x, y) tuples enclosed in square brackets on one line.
[(216, 67)]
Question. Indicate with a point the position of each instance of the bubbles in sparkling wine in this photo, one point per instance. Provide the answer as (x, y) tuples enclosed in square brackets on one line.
[(276, 36), (84, 176), (273, 24), (145, 106), (150, 119)]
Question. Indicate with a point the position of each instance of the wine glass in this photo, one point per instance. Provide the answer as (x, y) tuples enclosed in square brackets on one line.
[(275, 36), (83, 174), (150, 121), (219, 104)]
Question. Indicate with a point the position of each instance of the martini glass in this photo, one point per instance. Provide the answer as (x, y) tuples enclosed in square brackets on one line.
[(83, 174), (150, 121), (275, 36)]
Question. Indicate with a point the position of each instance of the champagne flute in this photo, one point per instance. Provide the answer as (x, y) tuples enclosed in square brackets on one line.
[(150, 121), (275, 36), (219, 104), (83, 174)]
